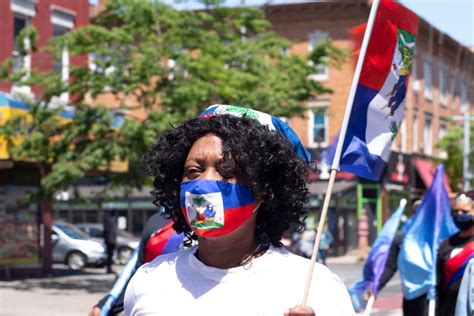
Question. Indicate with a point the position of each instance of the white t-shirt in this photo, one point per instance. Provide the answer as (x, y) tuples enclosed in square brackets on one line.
[(180, 284)]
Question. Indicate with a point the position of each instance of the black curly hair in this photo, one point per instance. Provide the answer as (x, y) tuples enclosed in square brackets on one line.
[(252, 153)]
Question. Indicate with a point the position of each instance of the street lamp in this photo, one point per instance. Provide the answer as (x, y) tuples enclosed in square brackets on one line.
[(466, 148)]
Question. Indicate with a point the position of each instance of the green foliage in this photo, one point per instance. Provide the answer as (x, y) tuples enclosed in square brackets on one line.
[(453, 144), (174, 64), (65, 150)]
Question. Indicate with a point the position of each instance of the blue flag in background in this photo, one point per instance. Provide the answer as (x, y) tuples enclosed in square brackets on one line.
[(375, 264), (431, 224)]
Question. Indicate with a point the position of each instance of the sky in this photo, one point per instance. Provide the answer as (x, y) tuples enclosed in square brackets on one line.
[(453, 17)]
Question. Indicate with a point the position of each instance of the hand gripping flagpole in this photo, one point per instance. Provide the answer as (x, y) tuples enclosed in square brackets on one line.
[(340, 142)]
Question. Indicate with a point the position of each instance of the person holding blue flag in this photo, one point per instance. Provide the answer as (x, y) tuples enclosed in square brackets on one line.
[(431, 224), (454, 255), (376, 262)]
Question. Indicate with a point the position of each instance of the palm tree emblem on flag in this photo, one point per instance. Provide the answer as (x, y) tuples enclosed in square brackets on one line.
[(205, 211), (401, 65)]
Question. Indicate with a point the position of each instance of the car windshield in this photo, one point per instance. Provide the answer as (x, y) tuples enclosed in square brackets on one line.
[(96, 232), (72, 231)]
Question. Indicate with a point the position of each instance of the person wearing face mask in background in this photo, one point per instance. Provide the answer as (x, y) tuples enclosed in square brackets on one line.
[(453, 256), (234, 180)]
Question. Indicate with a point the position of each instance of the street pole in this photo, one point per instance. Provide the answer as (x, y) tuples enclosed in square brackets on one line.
[(466, 118), (467, 151)]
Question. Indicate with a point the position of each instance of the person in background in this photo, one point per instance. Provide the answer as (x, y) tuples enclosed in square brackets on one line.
[(419, 305), (110, 237), (465, 300), (151, 245), (453, 256), (305, 242), (325, 244)]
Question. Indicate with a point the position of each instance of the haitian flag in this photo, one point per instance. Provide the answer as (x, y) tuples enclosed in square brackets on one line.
[(378, 106), (213, 208)]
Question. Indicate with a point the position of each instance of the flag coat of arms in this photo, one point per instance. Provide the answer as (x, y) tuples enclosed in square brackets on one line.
[(214, 207), (378, 106)]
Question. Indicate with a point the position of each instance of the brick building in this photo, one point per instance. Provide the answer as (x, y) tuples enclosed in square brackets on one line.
[(25, 241), (441, 86)]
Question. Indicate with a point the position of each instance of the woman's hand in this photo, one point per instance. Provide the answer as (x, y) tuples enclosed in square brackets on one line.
[(95, 311), (300, 310)]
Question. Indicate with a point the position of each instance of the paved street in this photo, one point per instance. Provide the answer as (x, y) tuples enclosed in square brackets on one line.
[(73, 293), (388, 303), (65, 293)]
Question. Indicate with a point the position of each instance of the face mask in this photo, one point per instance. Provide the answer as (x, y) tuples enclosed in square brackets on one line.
[(463, 222), (214, 208)]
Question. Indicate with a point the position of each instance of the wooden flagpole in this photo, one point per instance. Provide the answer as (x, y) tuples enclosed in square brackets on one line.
[(431, 307), (337, 156), (370, 303)]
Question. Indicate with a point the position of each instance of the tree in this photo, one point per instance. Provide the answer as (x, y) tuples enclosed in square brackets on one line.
[(171, 65), (453, 145)]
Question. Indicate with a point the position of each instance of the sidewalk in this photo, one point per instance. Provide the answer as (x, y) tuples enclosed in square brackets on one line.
[(352, 257), (65, 293)]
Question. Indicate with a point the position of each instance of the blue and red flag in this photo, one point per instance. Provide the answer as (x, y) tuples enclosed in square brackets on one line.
[(431, 224), (378, 106), (165, 240), (455, 266)]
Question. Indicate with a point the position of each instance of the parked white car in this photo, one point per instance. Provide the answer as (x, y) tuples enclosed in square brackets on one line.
[(126, 242), (75, 248)]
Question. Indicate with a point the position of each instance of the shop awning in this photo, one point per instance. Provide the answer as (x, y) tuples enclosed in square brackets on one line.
[(426, 169), (11, 107)]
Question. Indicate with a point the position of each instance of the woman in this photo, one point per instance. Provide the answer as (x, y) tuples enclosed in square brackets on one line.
[(235, 186)]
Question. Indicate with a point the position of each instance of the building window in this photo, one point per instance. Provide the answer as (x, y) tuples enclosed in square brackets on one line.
[(403, 136), (62, 21), (62, 61), (23, 12), (463, 93), (321, 71), (428, 135), (19, 23), (415, 133), (443, 126), (318, 126), (415, 82), (442, 86), (428, 92)]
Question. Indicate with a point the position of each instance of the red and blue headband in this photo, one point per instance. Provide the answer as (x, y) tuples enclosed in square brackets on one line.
[(273, 123)]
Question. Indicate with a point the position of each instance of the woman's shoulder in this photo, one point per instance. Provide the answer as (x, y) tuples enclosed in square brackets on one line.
[(300, 265), (287, 258), (170, 259)]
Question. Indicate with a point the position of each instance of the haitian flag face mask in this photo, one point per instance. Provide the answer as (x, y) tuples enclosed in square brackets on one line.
[(214, 208)]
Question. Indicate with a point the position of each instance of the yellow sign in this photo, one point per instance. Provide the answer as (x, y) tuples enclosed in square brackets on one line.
[(8, 113)]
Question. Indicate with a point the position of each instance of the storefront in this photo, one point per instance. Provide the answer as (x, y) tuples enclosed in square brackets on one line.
[(22, 235), (342, 213), (133, 209)]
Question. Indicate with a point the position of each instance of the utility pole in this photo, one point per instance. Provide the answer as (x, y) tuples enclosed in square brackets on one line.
[(466, 118)]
